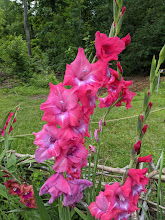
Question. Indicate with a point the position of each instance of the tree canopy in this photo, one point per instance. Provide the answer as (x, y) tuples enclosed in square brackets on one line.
[(58, 28)]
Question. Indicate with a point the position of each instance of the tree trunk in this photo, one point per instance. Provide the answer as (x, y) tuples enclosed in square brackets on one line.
[(26, 26)]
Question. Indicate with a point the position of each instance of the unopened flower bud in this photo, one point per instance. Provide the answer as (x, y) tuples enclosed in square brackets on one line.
[(144, 129), (119, 67), (100, 125), (137, 146), (10, 129), (14, 120), (123, 10), (92, 148), (141, 117), (96, 136), (150, 105)]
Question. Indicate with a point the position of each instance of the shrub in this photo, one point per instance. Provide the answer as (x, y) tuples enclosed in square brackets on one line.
[(14, 58)]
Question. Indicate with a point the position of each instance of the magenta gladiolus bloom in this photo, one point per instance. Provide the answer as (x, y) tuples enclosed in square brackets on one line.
[(77, 187), (72, 156), (108, 48), (48, 141), (80, 72), (61, 107), (56, 185)]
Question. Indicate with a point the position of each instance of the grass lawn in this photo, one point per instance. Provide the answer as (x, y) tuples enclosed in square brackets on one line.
[(118, 137)]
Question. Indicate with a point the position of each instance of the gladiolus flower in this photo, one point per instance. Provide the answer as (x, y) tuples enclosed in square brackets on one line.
[(56, 185), (48, 141), (30, 203), (108, 48), (81, 73), (61, 107), (77, 187), (26, 191), (13, 186)]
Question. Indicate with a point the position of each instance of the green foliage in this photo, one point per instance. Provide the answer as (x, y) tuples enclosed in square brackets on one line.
[(42, 81), (144, 20), (14, 58)]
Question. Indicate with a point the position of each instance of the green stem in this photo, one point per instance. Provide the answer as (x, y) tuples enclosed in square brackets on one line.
[(109, 108)]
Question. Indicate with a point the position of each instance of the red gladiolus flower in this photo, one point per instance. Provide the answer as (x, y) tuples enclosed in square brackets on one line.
[(26, 191), (13, 187), (145, 159), (30, 203), (108, 48)]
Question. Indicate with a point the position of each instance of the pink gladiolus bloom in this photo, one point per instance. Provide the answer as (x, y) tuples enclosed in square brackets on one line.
[(77, 187), (144, 129), (87, 96), (100, 206), (146, 159), (139, 180), (48, 141), (117, 89), (127, 39), (113, 203), (61, 107), (72, 156), (108, 48), (81, 73), (56, 185)]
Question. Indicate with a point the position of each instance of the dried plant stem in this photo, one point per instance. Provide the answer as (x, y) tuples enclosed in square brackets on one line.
[(152, 175)]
